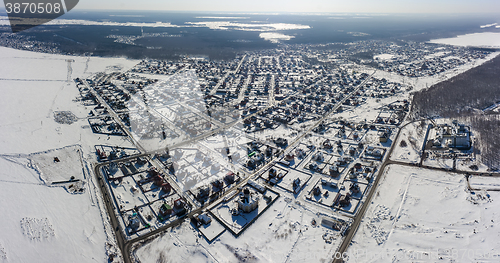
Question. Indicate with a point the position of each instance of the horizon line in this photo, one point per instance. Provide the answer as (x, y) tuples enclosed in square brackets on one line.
[(3, 10)]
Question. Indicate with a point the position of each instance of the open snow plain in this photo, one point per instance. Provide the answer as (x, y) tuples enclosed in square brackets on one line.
[(421, 215), (42, 221)]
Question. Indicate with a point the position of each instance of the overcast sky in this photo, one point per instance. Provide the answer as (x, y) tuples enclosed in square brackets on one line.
[(361, 6)]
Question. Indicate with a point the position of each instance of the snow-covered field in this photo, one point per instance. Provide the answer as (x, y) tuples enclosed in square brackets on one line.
[(42, 222), (485, 39), (34, 86), (484, 183), (413, 136), (419, 215), (48, 224), (283, 233), (275, 37), (383, 57)]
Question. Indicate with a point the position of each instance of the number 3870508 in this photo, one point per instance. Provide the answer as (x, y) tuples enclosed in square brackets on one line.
[(33, 8)]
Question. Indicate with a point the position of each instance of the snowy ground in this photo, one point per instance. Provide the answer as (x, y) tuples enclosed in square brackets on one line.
[(34, 86), (444, 220), (285, 225), (55, 225), (413, 136), (44, 222), (383, 57), (485, 39), (484, 183)]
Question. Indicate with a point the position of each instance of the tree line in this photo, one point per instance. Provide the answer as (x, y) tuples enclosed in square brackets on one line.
[(464, 97)]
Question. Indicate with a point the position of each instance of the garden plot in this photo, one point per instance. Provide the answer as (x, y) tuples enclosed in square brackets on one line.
[(373, 153), (146, 220), (409, 145), (107, 153), (278, 170), (439, 159), (155, 206), (332, 131), (197, 166), (62, 166), (127, 194), (318, 161), (211, 230), (239, 155), (217, 146), (355, 135), (352, 207), (300, 152), (372, 138), (157, 193), (347, 184), (112, 171), (327, 196), (287, 182), (271, 134)]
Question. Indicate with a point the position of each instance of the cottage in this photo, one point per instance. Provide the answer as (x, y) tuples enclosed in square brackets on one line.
[(205, 219), (165, 210), (334, 171), (345, 200), (384, 137)]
